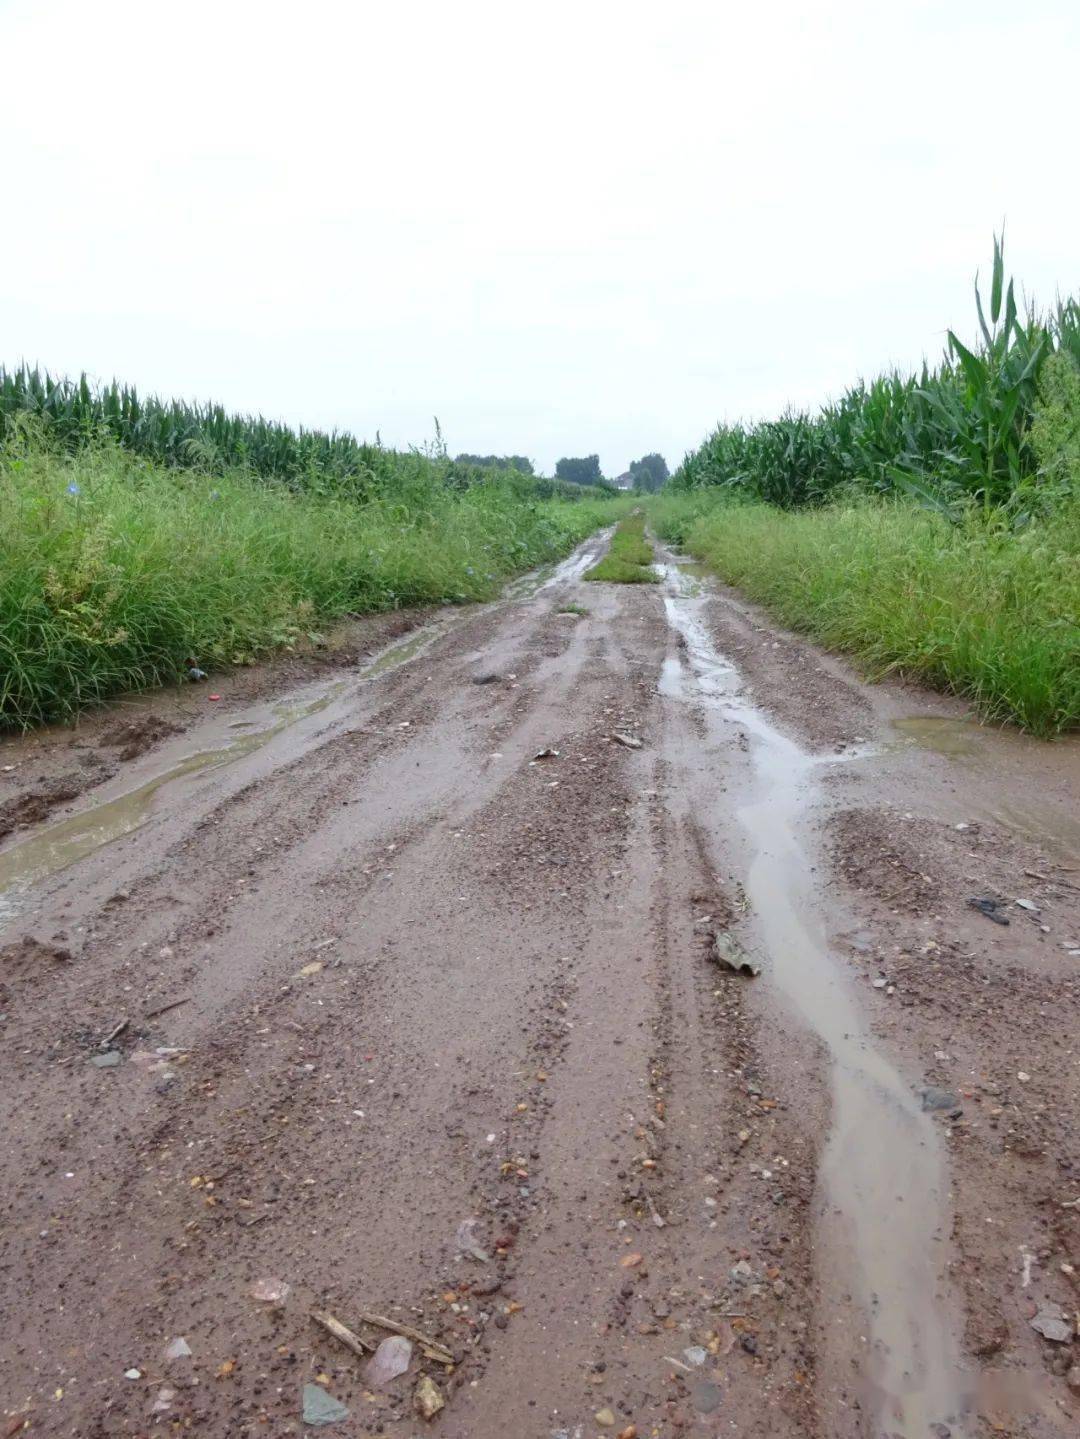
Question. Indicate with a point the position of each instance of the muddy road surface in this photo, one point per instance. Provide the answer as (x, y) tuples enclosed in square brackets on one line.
[(596, 996)]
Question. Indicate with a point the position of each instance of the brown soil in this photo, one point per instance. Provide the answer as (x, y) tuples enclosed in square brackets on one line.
[(375, 970)]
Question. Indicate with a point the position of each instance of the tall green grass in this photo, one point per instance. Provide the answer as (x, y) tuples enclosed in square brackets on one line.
[(115, 569), (975, 608)]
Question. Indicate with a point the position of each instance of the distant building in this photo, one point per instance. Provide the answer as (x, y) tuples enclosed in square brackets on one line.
[(624, 482)]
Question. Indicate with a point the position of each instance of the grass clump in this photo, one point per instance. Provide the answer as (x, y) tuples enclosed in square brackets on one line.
[(981, 610), (579, 610), (629, 557), (114, 568)]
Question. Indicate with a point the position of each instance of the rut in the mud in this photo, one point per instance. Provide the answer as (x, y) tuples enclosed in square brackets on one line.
[(880, 1233)]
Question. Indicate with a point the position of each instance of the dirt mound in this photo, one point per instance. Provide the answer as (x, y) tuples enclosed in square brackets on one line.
[(134, 737), (28, 956), (33, 806)]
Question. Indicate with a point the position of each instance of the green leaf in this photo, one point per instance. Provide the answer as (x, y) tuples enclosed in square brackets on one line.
[(974, 368), (999, 272), (982, 318), (1010, 312), (1034, 362)]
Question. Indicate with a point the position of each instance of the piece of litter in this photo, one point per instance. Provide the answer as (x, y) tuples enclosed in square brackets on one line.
[(695, 1355), (467, 1242), (163, 1403), (1052, 1325), (270, 1291), (322, 1408), (132, 1373), (934, 1098), (1028, 905), (546, 754), (729, 954), (393, 1357), (628, 741), (177, 1348), (990, 907)]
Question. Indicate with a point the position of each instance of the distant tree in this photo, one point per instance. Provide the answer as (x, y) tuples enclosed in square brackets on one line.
[(584, 471), (499, 462), (650, 472)]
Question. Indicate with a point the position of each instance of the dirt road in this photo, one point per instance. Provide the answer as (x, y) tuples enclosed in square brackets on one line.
[(398, 986)]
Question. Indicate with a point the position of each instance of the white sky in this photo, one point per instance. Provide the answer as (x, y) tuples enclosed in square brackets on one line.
[(561, 227)]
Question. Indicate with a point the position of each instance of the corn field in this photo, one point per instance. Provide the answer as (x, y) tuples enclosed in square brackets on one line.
[(70, 414), (955, 437)]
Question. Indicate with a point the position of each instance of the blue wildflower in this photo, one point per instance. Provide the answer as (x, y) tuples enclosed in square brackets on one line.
[(73, 488)]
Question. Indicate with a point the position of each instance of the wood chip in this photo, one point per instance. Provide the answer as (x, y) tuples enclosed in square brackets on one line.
[(431, 1347), (164, 1008), (342, 1333), (114, 1033)]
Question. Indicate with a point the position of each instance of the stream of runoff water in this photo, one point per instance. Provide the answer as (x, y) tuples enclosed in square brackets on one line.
[(883, 1171)]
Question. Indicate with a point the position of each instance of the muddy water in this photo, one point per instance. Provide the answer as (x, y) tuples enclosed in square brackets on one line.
[(942, 734), (1055, 829), (883, 1171), (54, 846)]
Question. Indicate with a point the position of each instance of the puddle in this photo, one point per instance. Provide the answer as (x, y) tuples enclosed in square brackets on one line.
[(1056, 832), (401, 653), (63, 842), (942, 734), (57, 845), (883, 1169), (525, 586), (693, 576)]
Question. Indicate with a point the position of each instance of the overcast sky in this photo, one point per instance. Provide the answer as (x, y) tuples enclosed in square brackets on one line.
[(561, 228)]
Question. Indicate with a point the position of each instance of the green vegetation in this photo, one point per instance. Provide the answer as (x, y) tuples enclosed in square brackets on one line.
[(938, 532), (174, 433), (579, 610), (583, 471), (629, 558), (498, 462), (650, 473), (204, 436), (955, 437), (114, 568), (973, 608)]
